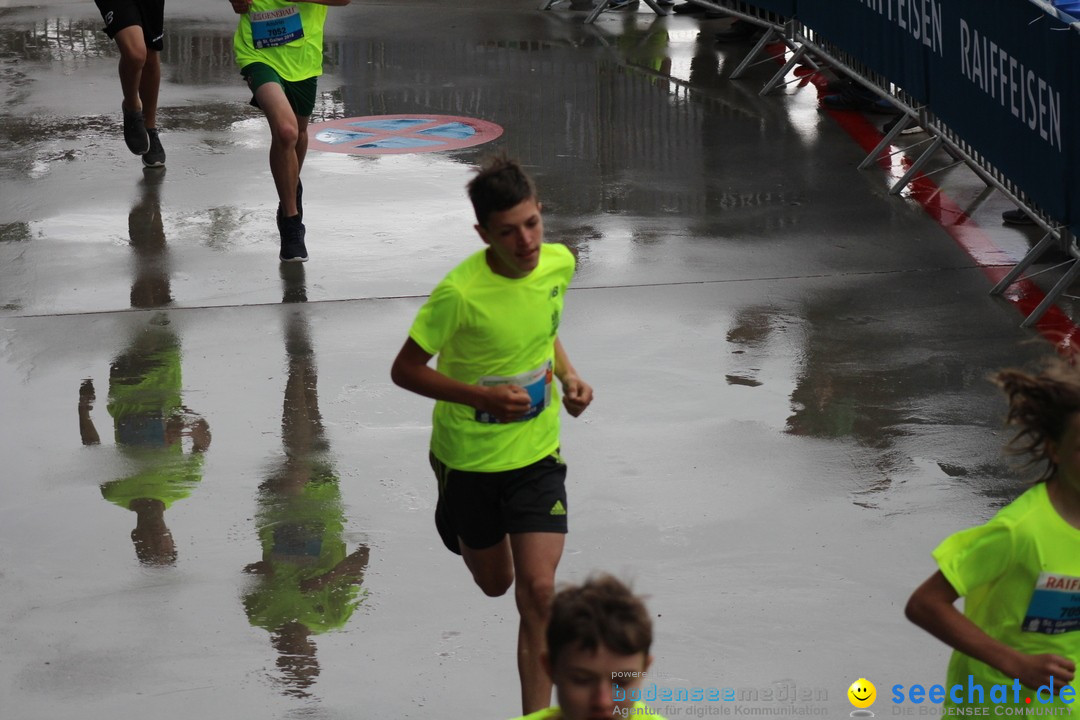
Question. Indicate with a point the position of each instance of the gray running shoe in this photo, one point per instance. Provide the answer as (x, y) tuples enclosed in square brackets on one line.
[(135, 135), (155, 156)]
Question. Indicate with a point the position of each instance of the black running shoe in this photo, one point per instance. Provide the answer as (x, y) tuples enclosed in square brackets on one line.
[(135, 135), (292, 232), (155, 156)]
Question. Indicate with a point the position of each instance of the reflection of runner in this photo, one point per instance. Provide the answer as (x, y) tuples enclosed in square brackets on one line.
[(278, 48), (137, 26), (493, 321), (308, 583), (146, 234), (150, 423), (1019, 573)]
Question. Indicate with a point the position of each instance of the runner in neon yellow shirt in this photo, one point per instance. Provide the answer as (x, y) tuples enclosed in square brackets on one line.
[(150, 422), (599, 635), (278, 47), (493, 322), (1019, 574)]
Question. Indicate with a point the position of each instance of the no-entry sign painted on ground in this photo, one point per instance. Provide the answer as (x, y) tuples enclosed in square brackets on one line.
[(396, 134)]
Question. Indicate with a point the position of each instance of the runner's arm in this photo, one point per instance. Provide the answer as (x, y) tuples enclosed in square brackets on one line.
[(412, 372), (577, 394), (932, 608)]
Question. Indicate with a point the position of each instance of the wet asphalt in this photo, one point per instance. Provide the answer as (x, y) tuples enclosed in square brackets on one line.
[(790, 369)]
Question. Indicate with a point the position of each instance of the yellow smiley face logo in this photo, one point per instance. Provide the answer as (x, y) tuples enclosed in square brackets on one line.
[(862, 693)]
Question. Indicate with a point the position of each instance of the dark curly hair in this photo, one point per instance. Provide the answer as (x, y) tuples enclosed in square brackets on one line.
[(1040, 407), (602, 611)]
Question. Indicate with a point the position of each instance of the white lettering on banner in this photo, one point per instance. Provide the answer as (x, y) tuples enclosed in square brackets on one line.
[(1029, 97), (920, 18)]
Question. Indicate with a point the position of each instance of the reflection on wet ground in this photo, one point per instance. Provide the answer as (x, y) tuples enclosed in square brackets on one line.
[(789, 365), (307, 581)]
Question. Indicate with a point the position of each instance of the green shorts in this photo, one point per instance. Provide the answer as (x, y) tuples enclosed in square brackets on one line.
[(301, 94)]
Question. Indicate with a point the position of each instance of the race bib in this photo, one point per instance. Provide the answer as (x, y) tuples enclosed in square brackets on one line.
[(1054, 606), (536, 382), (271, 28)]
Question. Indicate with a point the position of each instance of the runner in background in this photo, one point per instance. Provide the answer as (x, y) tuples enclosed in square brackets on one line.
[(278, 47), (138, 27)]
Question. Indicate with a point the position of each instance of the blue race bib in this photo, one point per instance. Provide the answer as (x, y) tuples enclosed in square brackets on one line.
[(271, 28)]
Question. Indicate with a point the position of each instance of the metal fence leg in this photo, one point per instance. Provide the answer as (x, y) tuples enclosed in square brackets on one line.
[(656, 8), (749, 59), (600, 7), (917, 165), (783, 71), (885, 142), (1052, 296), (1032, 255)]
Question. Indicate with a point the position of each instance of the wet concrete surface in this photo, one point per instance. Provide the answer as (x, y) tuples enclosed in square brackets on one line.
[(790, 365)]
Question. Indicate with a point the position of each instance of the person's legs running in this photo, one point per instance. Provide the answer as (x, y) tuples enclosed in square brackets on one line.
[(149, 84), (536, 556), (492, 568), (284, 134), (133, 57)]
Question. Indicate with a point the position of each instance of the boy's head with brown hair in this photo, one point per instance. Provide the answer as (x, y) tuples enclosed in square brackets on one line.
[(507, 217), (599, 633), (499, 185)]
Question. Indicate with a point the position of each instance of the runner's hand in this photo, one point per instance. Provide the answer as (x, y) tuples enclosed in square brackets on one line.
[(1036, 670), (240, 6), (577, 394), (506, 402)]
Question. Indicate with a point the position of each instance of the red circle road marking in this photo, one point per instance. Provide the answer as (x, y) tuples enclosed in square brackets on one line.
[(397, 134)]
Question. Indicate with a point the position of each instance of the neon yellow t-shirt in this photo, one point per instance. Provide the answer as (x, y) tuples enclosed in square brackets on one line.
[(286, 36), (1019, 575), (301, 537), (490, 329), (168, 475), (640, 710), (144, 393)]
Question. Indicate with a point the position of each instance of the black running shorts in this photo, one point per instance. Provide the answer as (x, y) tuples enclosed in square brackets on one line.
[(147, 14), (481, 508)]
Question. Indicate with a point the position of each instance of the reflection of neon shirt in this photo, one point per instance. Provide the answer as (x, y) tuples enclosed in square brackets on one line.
[(169, 476), (144, 392), (996, 568), (482, 324), (554, 713), (301, 539), (299, 59)]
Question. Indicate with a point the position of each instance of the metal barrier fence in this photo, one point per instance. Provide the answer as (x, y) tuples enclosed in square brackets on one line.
[(991, 82)]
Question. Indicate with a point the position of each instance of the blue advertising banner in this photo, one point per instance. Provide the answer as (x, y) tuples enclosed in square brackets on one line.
[(891, 37), (1071, 113), (1004, 83)]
